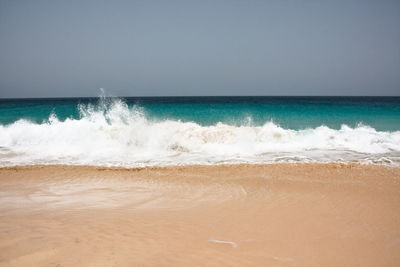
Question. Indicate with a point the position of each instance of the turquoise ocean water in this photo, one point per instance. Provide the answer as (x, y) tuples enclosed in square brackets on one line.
[(381, 113), (138, 131)]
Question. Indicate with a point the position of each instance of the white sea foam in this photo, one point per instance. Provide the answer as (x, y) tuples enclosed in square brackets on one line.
[(112, 134)]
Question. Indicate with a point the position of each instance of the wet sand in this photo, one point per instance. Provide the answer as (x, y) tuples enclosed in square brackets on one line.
[(237, 215)]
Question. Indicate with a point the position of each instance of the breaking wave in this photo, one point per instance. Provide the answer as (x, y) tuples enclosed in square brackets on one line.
[(111, 133)]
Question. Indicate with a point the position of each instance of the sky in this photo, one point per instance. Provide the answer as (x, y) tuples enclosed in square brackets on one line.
[(192, 48)]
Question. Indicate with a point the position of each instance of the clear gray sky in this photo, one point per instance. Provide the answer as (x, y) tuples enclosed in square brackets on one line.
[(157, 48)]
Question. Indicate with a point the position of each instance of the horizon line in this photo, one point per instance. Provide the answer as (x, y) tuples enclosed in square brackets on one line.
[(197, 96)]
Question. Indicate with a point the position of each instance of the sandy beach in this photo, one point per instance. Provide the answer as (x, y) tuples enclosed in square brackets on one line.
[(228, 215)]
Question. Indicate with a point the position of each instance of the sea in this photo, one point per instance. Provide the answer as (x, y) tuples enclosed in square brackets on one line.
[(163, 131)]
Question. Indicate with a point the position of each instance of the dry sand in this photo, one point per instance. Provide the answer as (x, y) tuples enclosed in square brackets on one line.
[(240, 215)]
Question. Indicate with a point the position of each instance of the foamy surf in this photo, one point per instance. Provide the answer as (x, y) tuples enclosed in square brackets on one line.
[(113, 134)]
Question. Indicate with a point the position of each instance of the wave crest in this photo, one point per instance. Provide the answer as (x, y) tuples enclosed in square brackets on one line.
[(111, 133)]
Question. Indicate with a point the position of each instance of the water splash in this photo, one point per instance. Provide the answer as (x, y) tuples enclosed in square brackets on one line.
[(111, 133)]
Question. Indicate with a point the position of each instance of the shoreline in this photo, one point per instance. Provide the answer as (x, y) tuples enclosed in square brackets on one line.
[(285, 214), (112, 167)]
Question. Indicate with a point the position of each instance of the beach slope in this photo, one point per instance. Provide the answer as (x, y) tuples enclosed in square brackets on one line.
[(228, 215)]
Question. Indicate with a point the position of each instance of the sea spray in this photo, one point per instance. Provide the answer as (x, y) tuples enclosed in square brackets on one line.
[(111, 133)]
